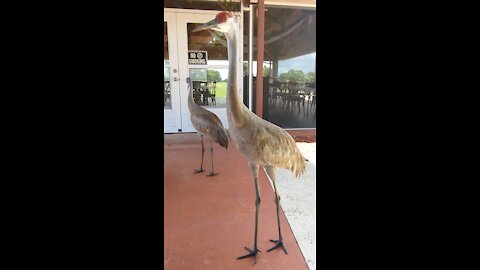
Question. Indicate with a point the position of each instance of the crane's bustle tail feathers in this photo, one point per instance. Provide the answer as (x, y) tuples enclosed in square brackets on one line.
[(296, 163), (222, 138), (299, 165), (279, 149)]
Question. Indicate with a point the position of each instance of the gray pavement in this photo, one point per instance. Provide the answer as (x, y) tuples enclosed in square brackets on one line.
[(298, 198)]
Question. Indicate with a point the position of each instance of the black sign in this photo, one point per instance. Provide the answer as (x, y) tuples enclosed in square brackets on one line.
[(197, 57)]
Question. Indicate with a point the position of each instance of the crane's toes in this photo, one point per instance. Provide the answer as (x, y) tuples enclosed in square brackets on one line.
[(199, 171), (212, 174), (250, 254), (278, 243)]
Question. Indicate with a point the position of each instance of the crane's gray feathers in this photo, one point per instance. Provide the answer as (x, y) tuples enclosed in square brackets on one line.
[(266, 144), (208, 124), (204, 121), (278, 149)]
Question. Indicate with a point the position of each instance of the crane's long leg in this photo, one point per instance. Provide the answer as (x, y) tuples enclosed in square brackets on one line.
[(279, 242), (201, 164), (272, 175), (212, 173), (255, 251)]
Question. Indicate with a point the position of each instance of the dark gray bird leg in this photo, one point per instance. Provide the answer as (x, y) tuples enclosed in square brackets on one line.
[(212, 173), (255, 251), (272, 175), (201, 164)]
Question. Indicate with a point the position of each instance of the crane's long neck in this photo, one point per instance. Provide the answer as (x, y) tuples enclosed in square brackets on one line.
[(234, 103), (191, 103)]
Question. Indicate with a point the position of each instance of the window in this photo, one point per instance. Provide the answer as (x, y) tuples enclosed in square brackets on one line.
[(289, 69)]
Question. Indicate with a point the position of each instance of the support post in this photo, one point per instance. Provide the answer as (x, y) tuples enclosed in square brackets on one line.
[(260, 49)]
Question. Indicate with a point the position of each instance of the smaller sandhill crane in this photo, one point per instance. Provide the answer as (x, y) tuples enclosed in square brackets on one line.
[(208, 124)]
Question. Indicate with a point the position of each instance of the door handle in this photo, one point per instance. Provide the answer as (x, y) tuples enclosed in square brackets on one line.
[(176, 79)]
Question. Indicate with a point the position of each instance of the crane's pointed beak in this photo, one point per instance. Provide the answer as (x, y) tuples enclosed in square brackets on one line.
[(208, 25)]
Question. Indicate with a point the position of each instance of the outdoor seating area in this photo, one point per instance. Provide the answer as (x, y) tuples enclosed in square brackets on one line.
[(291, 104), (166, 94), (293, 92), (204, 92)]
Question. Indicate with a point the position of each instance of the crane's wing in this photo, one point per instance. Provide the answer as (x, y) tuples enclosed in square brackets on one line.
[(210, 125), (278, 149)]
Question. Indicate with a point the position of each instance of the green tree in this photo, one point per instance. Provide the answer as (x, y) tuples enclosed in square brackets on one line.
[(266, 71), (310, 77), (293, 76), (213, 75)]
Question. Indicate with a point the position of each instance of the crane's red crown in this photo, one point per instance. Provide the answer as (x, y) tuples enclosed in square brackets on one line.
[(223, 16)]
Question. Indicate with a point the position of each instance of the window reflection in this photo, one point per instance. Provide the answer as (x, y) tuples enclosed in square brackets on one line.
[(246, 42), (209, 86), (167, 100), (289, 70), (214, 43), (165, 45), (209, 81)]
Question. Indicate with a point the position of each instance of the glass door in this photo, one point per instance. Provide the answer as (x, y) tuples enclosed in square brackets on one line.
[(171, 97), (203, 57)]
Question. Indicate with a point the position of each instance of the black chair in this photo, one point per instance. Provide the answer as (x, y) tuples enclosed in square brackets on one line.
[(197, 92), (212, 92), (204, 92)]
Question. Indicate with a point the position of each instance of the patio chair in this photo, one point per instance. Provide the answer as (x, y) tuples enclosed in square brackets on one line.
[(204, 92), (197, 91), (212, 92)]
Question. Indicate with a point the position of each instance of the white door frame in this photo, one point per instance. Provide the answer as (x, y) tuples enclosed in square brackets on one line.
[(184, 16)]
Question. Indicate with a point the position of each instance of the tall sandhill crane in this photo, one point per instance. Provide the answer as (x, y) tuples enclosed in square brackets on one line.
[(208, 124), (259, 141)]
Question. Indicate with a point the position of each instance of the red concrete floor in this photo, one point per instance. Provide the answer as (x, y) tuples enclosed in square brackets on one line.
[(209, 220)]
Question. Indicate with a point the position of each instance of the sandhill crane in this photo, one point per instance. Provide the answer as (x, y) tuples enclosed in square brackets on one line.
[(208, 124), (259, 141)]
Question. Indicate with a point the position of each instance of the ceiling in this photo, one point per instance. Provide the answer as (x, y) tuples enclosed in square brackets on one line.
[(289, 32)]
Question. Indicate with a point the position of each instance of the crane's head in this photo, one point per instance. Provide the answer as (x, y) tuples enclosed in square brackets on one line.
[(223, 22)]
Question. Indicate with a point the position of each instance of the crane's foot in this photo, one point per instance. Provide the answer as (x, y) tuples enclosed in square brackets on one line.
[(250, 254), (199, 171), (278, 243), (212, 173)]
